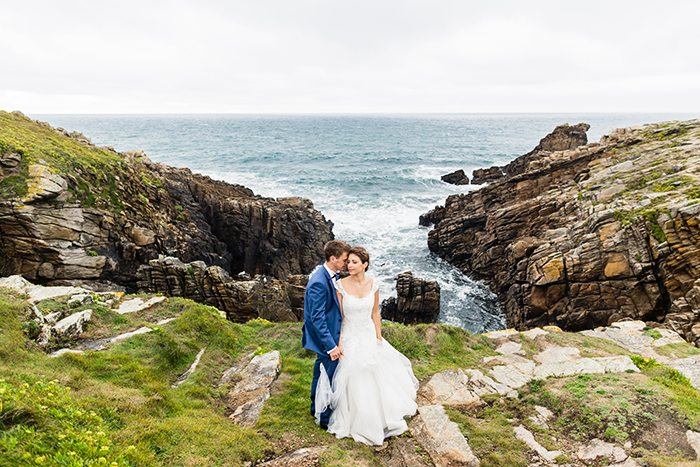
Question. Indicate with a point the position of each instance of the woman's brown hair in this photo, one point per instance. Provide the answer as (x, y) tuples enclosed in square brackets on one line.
[(360, 253)]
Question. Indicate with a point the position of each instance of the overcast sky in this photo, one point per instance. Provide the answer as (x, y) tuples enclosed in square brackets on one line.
[(326, 56)]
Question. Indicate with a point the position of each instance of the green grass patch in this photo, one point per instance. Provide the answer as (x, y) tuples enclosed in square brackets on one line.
[(490, 435)]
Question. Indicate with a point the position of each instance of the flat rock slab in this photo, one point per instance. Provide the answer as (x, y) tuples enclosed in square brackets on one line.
[(502, 333), (99, 344), (534, 332), (628, 339), (618, 364), (449, 387), (526, 437), (183, 377), (570, 368), (482, 384), (138, 304), (299, 458), (510, 359), (441, 438), (690, 367), (510, 348), (248, 396), (694, 441), (403, 454), (542, 417), (598, 450), (17, 283), (511, 375), (557, 355), (39, 293), (630, 335)]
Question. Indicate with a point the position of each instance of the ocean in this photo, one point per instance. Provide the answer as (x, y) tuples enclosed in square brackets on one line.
[(371, 175)]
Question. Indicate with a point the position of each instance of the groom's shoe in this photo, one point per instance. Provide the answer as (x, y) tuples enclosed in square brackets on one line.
[(323, 425)]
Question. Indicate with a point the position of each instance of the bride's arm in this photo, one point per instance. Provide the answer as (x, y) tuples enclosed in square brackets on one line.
[(340, 338), (377, 316)]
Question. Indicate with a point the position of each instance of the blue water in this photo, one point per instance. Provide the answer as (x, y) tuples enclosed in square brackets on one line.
[(372, 175)]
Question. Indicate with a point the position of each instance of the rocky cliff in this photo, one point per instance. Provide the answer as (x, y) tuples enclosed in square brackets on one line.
[(71, 212), (582, 236)]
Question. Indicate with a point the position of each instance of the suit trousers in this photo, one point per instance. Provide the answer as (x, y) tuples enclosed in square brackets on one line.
[(330, 366)]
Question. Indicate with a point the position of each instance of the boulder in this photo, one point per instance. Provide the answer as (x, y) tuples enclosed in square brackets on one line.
[(441, 438), (10, 160), (45, 184), (457, 177), (418, 301), (71, 327)]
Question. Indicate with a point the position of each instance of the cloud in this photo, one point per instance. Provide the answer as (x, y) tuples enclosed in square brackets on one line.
[(331, 56)]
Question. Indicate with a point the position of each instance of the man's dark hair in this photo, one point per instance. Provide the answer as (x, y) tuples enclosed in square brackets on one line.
[(335, 248)]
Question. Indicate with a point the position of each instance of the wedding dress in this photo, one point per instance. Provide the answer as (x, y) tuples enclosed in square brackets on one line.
[(373, 387)]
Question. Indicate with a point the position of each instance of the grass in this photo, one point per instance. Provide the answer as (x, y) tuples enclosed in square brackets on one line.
[(90, 171), (117, 407), (124, 394)]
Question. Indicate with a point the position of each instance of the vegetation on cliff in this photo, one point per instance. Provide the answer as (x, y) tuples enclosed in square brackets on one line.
[(117, 407), (92, 170)]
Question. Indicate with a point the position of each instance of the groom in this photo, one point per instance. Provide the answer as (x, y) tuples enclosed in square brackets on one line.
[(322, 318)]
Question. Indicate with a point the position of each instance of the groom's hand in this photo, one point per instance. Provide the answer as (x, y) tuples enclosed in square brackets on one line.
[(336, 353)]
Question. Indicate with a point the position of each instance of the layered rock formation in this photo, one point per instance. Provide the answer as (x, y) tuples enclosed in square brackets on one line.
[(481, 176), (72, 212), (586, 236), (418, 301), (241, 297)]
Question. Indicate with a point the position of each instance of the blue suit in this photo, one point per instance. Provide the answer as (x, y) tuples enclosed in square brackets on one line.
[(321, 330)]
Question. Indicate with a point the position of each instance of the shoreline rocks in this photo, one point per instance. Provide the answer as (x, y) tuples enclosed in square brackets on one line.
[(458, 177), (587, 235), (103, 224)]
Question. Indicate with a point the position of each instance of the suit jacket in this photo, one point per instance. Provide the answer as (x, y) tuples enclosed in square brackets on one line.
[(322, 318)]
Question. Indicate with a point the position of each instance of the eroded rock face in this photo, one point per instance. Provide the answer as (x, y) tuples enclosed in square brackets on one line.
[(583, 237), (49, 236), (242, 298), (418, 301)]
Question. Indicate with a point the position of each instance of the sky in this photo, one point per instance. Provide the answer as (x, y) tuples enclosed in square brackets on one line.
[(327, 56)]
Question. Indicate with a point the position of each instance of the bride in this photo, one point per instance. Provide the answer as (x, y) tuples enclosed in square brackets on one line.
[(373, 387)]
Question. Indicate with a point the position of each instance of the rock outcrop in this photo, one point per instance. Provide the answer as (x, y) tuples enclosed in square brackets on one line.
[(587, 236), (241, 297), (481, 176), (458, 177), (418, 301), (90, 214)]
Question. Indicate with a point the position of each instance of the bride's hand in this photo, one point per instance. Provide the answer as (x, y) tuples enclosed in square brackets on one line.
[(380, 342)]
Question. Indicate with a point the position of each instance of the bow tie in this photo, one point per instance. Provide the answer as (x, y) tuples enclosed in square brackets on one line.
[(336, 276)]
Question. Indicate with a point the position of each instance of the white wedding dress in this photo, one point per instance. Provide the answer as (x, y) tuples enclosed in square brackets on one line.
[(373, 387)]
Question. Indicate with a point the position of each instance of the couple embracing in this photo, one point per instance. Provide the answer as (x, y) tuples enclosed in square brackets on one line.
[(362, 387)]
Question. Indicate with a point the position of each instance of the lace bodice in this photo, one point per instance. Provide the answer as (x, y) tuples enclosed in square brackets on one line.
[(357, 329)]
